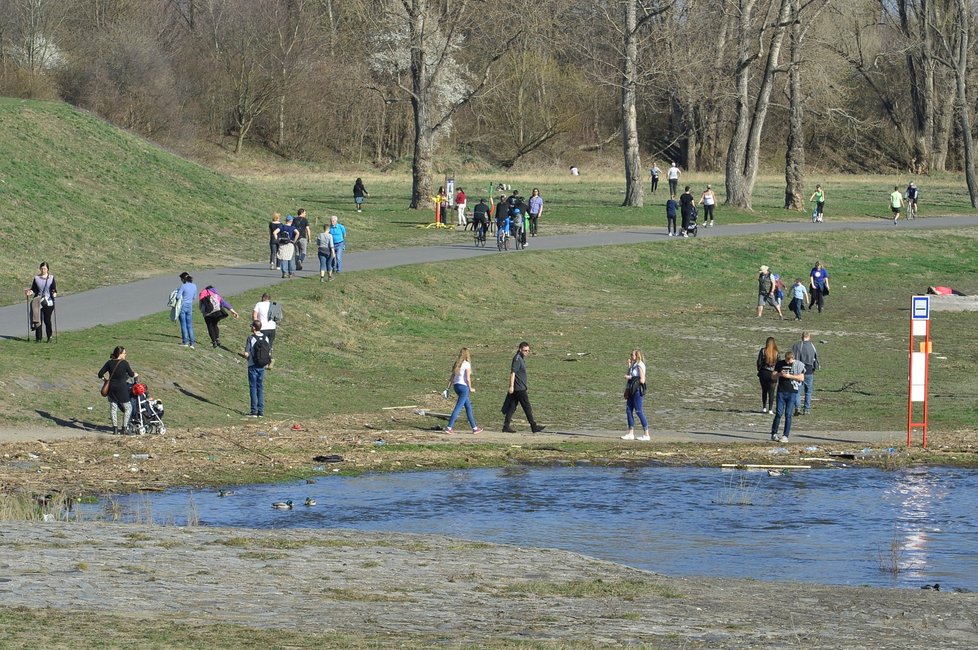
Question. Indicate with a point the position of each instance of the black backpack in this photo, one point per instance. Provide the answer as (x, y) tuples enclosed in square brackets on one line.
[(261, 351)]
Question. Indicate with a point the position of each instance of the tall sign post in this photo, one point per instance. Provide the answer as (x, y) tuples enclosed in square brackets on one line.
[(919, 356)]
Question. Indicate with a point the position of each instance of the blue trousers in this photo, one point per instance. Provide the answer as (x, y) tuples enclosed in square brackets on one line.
[(337, 259), (187, 327), (256, 384), (463, 401), (787, 402), (808, 388), (635, 404)]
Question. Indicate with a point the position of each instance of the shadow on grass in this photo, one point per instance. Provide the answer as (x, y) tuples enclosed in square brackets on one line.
[(73, 423), (202, 399)]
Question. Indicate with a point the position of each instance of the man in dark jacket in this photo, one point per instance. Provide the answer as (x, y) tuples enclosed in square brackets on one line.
[(805, 352), (517, 393)]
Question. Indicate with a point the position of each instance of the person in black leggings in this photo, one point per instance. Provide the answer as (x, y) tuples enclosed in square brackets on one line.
[(42, 293)]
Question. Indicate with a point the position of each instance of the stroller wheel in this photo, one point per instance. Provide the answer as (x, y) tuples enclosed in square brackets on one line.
[(162, 431)]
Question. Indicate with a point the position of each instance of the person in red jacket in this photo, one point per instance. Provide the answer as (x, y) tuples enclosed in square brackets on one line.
[(460, 206)]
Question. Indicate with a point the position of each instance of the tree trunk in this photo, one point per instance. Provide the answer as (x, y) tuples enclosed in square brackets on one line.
[(424, 156), (281, 122), (629, 119), (964, 117), (751, 109), (794, 163)]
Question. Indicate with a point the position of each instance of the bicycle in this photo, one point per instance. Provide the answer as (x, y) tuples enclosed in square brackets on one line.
[(502, 239), (911, 208), (480, 234), (518, 234)]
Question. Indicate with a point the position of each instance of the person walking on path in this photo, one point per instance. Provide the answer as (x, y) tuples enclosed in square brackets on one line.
[(805, 352), (819, 197), (672, 210), (896, 203), (257, 351), (359, 192), (686, 204), (536, 210), (708, 201), (634, 396), (765, 292), (41, 294), (325, 249), (460, 208), (273, 227), (214, 309), (302, 237), (791, 374), (285, 235), (118, 374), (338, 233), (654, 174), (672, 175), (187, 294), (518, 391), (799, 296), (461, 382), (767, 361), (819, 285)]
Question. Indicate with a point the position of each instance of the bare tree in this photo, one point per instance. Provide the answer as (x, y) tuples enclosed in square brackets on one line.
[(757, 41), (33, 30)]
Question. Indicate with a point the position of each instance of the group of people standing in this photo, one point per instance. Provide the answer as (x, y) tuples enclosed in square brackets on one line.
[(288, 244), (789, 382)]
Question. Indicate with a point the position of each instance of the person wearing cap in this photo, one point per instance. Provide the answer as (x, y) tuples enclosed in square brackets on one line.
[(286, 236), (911, 196), (765, 291)]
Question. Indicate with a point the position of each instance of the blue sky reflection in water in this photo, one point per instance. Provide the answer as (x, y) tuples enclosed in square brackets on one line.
[(834, 526)]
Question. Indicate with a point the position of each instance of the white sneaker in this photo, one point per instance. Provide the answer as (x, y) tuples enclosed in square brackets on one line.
[(784, 438), (764, 410), (628, 436), (644, 438)]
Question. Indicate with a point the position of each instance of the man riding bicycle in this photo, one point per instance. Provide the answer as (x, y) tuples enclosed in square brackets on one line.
[(911, 197), (480, 219)]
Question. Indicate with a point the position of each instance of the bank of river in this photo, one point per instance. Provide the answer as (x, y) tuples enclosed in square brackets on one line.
[(337, 588)]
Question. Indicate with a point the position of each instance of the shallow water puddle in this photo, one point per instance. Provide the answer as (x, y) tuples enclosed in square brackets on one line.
[(855, 526)]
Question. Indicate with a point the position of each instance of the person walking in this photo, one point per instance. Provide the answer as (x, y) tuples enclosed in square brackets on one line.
[(338, 233), (686, 203), (359, 192), (791, 374), (708, 201), (536, 209), (187, 294), (634, 396), (896, 203), (41, 294), (799, 296), (517, 393), (805, 352), (654, 173), (765, 291), (257, 350), (302, 237), (819, 285), (672, 175), (460, 381), (286, 235), (263, 313), (273, 227), (460, 208), (819, 197), (214, 309), (767, 361), (117, 372), (325, 249), (672, 210)]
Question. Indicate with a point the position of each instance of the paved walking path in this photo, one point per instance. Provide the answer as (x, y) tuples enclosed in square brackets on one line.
[(116, 304)]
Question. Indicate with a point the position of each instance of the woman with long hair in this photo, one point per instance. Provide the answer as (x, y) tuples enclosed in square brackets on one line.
[(42, 293), (461, 382), (634, 396), (119, 373), (767, 360)]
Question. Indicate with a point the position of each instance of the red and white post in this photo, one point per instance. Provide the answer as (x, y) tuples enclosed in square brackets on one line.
[(919, 365)]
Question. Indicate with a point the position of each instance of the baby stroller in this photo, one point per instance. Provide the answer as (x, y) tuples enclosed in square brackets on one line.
[(147, 413), (693, 215)]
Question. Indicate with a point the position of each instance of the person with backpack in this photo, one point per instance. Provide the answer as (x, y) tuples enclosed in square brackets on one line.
[(258, 352), (286, 236), (268, 313), (765, 291), (214, 309)]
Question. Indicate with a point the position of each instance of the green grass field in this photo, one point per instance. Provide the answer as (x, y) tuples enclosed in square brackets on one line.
[(388, 338)]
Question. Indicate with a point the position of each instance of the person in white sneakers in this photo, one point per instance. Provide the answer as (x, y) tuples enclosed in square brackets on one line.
[(634, 395), (461, 383)]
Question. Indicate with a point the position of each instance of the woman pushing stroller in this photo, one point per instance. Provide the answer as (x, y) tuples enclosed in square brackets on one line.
[(119, 373)]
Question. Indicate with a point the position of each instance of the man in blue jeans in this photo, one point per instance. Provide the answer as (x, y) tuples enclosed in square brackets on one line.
[(806, 353), (256, 373), (791, 374)]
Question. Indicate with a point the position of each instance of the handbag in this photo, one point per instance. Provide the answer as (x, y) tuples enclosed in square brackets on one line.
[(825, 291), (105, 382)]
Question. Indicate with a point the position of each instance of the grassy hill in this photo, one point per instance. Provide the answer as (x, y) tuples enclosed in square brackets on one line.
[(103, 206)]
